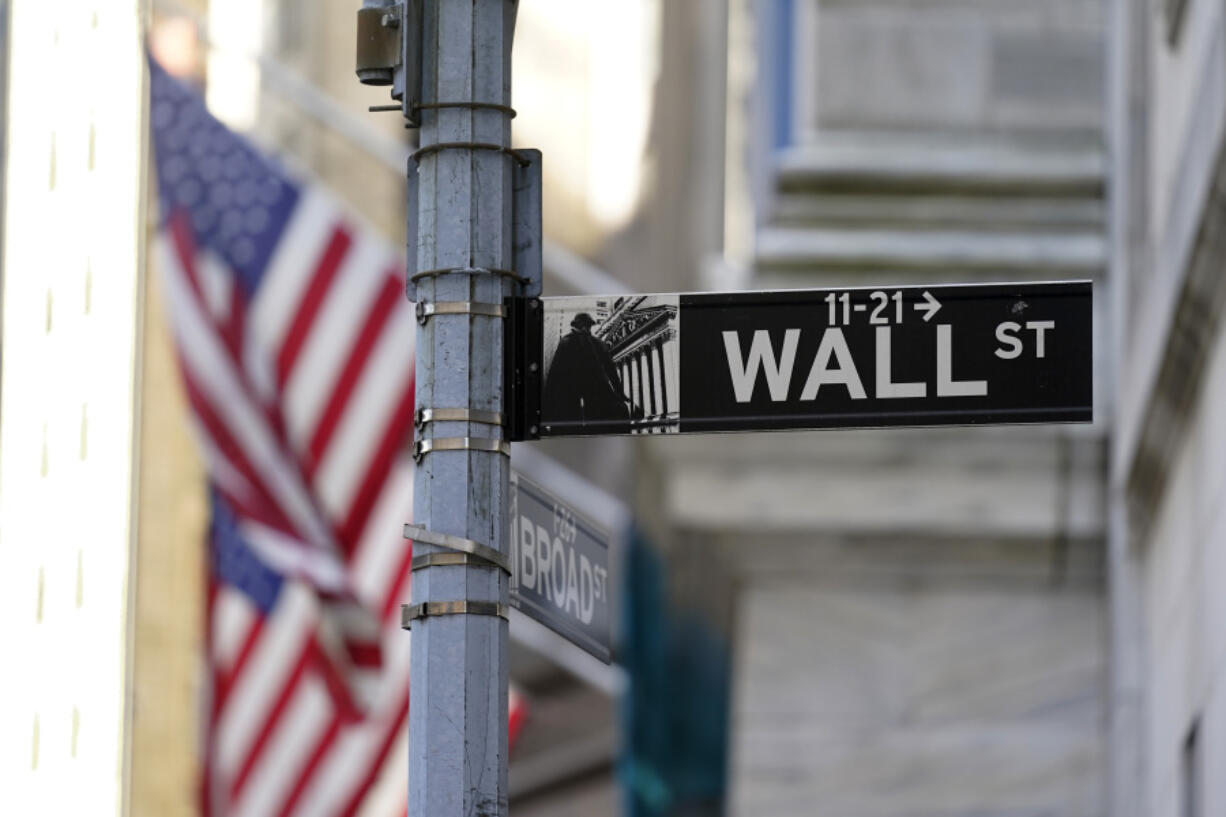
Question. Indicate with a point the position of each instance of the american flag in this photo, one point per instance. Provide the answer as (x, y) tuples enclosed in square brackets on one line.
[(296, 347)]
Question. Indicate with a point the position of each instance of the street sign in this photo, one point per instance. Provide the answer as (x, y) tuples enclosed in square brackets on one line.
[(845, 358), (560, 562)]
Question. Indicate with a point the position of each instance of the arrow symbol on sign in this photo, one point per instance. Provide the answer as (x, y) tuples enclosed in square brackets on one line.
[(930, 306)]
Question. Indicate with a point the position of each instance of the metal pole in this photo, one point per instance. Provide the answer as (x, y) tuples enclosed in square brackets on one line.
[(458, 675)]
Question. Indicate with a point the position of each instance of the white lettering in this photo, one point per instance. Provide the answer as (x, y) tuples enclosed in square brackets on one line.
[(601, 573), (885, 387), (558, 560), (1040, 327), (1003, 335), (514, 544), (761, 355), (572, 583), (946, 385), (587, 589), (527, 553), (833, 343), (542, 559)]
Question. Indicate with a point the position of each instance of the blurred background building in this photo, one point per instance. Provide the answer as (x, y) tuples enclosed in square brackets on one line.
[(980, 621), (1168, 532)]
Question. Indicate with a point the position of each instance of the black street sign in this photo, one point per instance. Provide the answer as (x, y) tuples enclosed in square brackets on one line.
[(560, 563), (845, 358)]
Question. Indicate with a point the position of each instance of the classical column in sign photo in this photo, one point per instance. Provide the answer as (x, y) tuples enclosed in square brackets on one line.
[(611, 365)]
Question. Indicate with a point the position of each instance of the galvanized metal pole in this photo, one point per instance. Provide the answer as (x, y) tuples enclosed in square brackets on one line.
[(458, 675)]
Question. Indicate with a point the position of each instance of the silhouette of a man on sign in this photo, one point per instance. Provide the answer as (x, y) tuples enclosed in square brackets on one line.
[(583, 385)]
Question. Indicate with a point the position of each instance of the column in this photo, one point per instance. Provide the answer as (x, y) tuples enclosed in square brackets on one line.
[(633, 380), (649, 362), (658, 351), (644, 388)]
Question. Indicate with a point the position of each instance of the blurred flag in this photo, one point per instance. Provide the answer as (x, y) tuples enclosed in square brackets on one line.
[(295, 344)]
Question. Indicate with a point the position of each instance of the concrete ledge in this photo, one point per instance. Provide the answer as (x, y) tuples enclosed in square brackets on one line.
[(1063, 254), (1032, 484), (1045, 213), (846, 164)]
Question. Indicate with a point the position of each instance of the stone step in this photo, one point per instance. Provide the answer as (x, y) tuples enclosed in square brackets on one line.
[(963, 252), (849, 164), (929, 204), (1031, 482), (805, 208)]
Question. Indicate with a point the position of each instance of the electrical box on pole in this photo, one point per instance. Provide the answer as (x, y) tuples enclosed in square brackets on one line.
[(389, 52)]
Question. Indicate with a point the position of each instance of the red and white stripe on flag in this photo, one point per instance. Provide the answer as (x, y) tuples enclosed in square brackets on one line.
[(295, 344)]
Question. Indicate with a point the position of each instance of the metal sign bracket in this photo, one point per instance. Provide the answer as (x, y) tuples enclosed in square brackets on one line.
[(527, 234), (523, 368)]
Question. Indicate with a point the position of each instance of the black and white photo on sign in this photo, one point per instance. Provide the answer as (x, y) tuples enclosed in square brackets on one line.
[(611, 365)]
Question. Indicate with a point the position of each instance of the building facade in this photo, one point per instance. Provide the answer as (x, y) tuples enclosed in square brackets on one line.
[(71, 257), (1168, 465), (918, 619), (976, 621), (986, 621), (642, 336)]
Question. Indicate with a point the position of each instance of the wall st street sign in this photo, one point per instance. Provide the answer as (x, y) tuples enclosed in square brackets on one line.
[(560, 567), (745, 361)]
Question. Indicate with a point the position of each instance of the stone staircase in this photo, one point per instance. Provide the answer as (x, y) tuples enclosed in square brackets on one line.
[(901, 211)]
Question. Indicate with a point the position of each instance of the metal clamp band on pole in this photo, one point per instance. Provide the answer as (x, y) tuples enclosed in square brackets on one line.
[(447, 560), (438, 146), (457, 415), (427, 310), (435, 273), (411, 612), (476, 106), (458, 544), (423, 447)]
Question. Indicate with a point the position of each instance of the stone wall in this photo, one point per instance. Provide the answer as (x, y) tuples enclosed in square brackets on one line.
[(919, 619), (950, 65), (921, 626), (1170, 447), (1183, 560), (905, 692)]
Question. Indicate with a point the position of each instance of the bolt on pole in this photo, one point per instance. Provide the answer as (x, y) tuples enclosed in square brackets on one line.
[(463, 218)]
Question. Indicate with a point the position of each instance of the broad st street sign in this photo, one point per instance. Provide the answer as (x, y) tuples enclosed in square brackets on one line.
[(846, 358), (560, 567)]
